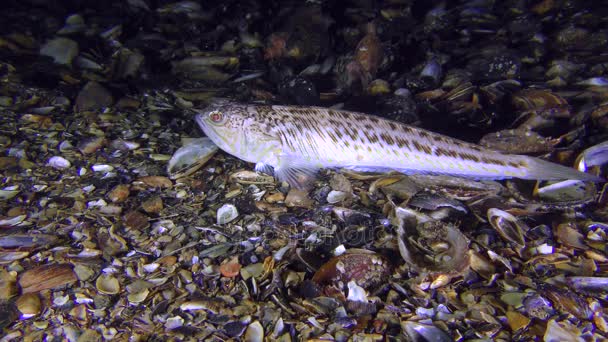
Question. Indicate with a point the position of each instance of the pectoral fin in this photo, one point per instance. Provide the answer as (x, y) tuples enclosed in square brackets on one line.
[(264, 168), (297, 173)]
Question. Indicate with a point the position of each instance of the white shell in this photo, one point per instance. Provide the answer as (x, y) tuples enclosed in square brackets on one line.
[(190, 157), (356, 293), (335, 196), (59, 163), (593, 156), (254, 332), (226, 214)]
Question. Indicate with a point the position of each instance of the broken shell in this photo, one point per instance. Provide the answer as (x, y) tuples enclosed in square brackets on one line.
[(174, 322), (251, 177), (226, 213), (107, 284), (562, 331), (568, 301), (434, 247), (417, 332), (138, 297), (588, 284), (508, 226), (191, 157), (29, 305)]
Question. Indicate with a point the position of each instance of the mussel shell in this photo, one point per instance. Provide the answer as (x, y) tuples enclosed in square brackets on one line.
[(191, 157)]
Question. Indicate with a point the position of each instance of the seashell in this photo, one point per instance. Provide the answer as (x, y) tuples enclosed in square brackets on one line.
[(174, 322), (562, 331), (29, 305), (434, 247), (431, 72), (567, 191), (254, 332), (418, 332), (508, 226), (538, 307), (593, 156), (588, 284), (235, 328), (568, 235), (12, 221), (516, 320), (138, 297), (107, 284), (102, 168), (430, 201), (58, 163), (366, 268), (46, 277), (191, 157), (251, 177), (336, 196), (226, 213), (568, 301), (541, 101)]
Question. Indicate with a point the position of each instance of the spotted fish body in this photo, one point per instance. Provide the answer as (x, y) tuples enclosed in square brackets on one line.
[(298, 141)]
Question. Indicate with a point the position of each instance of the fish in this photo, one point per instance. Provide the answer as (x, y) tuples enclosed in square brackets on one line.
[(294, 142)]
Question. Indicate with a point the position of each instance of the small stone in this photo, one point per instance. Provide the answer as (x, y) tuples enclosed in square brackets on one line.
[(226, 213), (146, 182), (90, 145), (136, 220), (275, 197), (128, 103), (29, 305), (153, 205), (8, 163), (119, 193), (62, 50), (298, 198), (8, 288), (93, 96)]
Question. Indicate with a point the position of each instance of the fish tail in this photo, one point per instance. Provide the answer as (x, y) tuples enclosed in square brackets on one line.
[(543, 170)]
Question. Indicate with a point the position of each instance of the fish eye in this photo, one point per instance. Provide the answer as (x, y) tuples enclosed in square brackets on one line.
[(216, 116)]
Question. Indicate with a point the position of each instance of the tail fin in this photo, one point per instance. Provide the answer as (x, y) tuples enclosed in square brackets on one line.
[(544, 170)]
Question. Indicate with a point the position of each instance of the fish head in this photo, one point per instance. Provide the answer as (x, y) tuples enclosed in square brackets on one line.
[(233, 129)]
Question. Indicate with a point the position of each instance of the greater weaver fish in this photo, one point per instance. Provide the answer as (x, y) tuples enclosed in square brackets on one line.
[(295, 142)]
